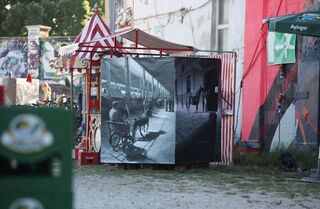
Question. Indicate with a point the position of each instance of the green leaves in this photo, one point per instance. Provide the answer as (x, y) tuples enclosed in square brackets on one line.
[(35, 13), (65, 17)]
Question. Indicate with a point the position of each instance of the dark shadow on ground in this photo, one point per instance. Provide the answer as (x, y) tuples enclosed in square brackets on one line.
[(151, 136), (134, 153)]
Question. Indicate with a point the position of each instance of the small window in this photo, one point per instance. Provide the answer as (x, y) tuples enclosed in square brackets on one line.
[(224, 12), (223, 25)]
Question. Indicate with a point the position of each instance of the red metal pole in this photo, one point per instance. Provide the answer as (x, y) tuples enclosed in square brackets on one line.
[(137, 38), (1, 95), (115, 45), (88, 96), (111, 53)]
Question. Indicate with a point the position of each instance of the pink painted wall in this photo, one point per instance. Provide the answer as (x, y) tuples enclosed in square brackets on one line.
[(258, 75)]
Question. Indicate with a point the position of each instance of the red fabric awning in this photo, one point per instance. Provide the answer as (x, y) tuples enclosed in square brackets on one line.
[(142, 38)]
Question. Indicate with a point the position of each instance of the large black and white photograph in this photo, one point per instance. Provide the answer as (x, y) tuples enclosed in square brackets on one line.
[(138, 114), (197, 110), (160, 110)]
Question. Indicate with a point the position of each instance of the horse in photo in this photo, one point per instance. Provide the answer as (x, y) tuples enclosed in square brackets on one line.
[(195, 99)]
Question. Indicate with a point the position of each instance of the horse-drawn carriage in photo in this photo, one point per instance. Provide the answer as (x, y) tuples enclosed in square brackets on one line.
[(122, 135), (122, 130)]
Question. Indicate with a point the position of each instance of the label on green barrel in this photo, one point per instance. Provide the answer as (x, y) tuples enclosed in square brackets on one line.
[(26, 134), (26, 203)]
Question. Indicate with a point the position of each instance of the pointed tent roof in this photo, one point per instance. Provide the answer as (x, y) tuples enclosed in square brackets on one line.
[(93, 31)]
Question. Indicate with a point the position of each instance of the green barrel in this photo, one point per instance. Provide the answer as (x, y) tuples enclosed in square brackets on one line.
[(35, 158)]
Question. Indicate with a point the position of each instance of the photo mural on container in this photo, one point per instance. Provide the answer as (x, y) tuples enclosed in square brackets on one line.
[(198, 110), (13, 57), (136, 125), (159, 110), (49, 49)]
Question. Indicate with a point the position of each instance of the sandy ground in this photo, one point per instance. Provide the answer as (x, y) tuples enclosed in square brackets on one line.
[(105, 187)]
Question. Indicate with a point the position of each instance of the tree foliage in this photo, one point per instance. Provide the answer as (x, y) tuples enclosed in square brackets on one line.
[(65, 17)]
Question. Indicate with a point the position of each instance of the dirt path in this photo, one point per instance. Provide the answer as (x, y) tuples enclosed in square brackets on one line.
[(109, 187)]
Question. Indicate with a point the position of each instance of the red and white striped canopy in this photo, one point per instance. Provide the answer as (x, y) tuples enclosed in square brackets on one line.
[(93, 32)]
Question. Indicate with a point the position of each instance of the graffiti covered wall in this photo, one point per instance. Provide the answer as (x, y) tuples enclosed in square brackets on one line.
[(49, 49), (280, 102), (13, 57), (307, 104)]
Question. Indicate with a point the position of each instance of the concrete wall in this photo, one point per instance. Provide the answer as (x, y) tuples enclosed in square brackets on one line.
[(184, 22), (236, 43)]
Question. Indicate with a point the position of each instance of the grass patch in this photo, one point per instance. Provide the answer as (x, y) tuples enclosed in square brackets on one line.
[(306, 158)]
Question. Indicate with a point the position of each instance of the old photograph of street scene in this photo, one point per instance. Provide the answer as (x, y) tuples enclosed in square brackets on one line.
[(138, 119), (197, 104), (160, 110)]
